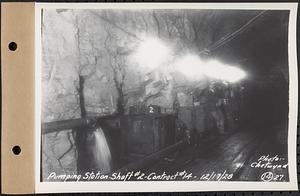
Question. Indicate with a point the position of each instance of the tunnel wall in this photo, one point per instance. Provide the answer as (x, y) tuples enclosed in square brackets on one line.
[(59, 92)]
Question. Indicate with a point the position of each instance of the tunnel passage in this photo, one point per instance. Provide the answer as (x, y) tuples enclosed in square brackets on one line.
[(145, 110), (263, 105), (262, 50)]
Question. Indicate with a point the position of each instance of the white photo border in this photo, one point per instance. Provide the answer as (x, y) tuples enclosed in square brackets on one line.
[(171, 186)]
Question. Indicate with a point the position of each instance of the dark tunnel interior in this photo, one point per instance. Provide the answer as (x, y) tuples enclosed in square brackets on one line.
[(263, 52)]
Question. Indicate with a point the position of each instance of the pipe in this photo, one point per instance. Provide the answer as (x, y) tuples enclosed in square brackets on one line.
[(64, 125), (57, 126)]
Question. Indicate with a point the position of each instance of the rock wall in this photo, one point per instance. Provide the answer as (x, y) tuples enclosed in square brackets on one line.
[(59, 90)]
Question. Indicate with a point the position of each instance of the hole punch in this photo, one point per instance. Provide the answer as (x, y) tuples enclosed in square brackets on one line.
[(12, 46), (16, 150)]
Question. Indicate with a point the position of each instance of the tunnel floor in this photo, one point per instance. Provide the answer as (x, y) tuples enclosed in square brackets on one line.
[(231, 154)]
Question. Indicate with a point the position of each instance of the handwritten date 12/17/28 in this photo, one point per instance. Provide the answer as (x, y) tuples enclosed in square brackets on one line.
[(213, 176)]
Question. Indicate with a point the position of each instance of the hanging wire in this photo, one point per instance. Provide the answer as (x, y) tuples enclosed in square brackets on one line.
[(224, 40)]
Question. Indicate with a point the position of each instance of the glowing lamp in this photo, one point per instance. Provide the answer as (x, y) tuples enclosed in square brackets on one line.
[(194, 68), (218, 70), (191, 66), (151, 53)]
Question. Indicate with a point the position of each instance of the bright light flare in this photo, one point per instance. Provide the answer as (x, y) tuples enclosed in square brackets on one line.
[(194, 68), (191, 66), (152, 53), (218, 70)]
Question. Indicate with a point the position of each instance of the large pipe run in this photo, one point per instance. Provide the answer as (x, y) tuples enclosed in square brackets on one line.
[(64, 125), (56, 126)]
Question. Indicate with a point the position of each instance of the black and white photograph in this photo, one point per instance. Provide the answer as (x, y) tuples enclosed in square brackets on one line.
[(197, 93)]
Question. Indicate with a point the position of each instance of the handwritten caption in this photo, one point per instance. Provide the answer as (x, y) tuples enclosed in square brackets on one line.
[(139, 176), (273, 165)]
